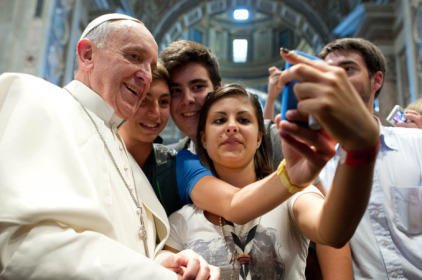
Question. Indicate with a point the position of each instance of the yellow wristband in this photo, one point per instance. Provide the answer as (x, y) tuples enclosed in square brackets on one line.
[(281, 171)]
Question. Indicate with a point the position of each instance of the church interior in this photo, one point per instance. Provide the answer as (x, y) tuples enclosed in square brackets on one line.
[(39, 36)]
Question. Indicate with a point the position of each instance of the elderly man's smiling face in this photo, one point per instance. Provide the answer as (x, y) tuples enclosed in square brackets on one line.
[(122, 70)]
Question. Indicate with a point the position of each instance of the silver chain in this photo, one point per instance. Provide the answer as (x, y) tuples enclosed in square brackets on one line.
[(142, 232)]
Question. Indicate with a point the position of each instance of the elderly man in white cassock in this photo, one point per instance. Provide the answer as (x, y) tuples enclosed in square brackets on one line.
[(73, 202)]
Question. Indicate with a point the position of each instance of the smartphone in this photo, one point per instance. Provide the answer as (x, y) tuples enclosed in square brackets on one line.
[(396, 115), (289, 101)]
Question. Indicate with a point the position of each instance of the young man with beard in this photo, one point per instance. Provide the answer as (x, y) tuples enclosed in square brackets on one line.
[(387, 242)]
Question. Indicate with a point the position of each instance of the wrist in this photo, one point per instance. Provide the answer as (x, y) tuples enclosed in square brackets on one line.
[(270, 97), (360, 157), (282, 173)]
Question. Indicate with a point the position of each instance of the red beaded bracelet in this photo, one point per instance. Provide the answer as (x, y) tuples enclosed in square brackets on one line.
[(359, 158)]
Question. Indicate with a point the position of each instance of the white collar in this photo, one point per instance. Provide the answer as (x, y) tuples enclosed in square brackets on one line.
[(94, 103)]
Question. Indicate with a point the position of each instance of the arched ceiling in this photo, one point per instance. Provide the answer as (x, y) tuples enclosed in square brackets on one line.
[(323, 15), (298, 24)]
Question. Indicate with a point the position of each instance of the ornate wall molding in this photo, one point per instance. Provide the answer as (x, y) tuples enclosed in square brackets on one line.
[(299, 14)]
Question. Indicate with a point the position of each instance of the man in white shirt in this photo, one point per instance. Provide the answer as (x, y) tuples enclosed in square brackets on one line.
[(74, 203), (388, 241)]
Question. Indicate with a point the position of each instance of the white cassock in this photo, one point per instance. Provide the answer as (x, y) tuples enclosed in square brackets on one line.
[(65, 212)]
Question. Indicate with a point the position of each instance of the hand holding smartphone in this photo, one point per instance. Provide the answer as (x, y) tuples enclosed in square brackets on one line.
[(289, 100), (396, 115)]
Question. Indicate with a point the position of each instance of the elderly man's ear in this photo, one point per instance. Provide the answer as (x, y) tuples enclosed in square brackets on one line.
[(85, 50)]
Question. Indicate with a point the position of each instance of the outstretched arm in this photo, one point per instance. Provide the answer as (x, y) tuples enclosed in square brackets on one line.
[(326, 93), (240, 205)]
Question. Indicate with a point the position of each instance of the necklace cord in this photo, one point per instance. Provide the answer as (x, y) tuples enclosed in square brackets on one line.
[(143, 233)]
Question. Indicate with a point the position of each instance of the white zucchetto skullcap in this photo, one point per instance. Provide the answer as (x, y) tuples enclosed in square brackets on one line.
[(101, 19)]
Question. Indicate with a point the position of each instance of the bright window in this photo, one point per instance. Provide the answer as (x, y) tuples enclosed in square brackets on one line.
[(241, 14), (240, 50)]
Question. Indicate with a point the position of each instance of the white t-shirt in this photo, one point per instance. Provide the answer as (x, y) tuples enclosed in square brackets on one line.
[(277, 251)]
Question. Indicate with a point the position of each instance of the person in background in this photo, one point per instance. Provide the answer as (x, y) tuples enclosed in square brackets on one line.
[(387, 242), (194, 71), (73, 203), (274, 90), (413, 114), (231, 141), (415, 106)]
